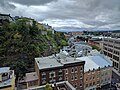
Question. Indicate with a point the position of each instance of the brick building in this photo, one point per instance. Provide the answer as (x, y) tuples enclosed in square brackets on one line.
[(58, 68)]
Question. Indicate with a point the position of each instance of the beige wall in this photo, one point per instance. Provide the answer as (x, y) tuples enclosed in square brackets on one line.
[(101, 77)]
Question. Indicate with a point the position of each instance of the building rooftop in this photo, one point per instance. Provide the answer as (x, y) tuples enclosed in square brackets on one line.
[(4, 69), (47, 62), (6, 83), (57, 60), (31, 76), (94, 62)]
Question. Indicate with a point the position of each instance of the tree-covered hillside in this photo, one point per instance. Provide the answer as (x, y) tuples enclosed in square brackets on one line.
[(23, 40)]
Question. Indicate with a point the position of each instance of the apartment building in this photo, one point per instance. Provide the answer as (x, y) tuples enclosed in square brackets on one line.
[(97, 71), (7, 79), (111, 48), (59, 68)]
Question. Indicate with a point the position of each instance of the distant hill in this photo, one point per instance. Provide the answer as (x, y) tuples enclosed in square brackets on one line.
[(77, 29)]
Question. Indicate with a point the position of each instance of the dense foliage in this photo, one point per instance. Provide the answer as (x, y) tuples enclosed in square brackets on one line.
[(23, 40)]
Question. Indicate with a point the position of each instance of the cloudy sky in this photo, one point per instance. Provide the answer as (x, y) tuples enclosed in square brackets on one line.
[(88, 14)]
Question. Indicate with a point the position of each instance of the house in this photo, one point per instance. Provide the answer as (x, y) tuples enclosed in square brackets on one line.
[(7, 79)]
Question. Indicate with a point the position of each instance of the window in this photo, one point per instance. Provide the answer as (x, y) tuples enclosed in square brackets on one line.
[(75, 76), (81, 81), (93, 83), (60, 78), (75, 85), (43, 74), (72, 78), (81, 69), (81, 76), (115, 58), (60, 72), (66, 71), (90, 84), (90, 78), (51, 74), (86, 85), (72, 70), (98, 82), (76, 69), (66, 78)]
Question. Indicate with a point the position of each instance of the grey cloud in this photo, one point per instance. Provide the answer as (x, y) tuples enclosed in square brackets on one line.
[(97, 13), (32, 2)]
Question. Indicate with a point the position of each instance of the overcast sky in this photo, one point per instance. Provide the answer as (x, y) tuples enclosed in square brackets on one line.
[(97, 14)]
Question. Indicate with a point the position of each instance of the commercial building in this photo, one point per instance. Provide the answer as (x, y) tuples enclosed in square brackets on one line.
[(97, 71), (111, 48), (59, 68), (7, 79)]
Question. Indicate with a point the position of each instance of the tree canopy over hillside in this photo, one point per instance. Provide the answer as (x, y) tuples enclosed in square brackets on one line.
[(23, 40)]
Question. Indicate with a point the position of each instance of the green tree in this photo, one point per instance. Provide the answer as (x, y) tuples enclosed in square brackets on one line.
[(48, 87)]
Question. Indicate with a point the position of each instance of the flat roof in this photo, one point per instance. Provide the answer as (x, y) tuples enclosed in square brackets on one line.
[(94, 62), (31, 76), (47, 62), (55, 61), (4, 69), (6, 83)]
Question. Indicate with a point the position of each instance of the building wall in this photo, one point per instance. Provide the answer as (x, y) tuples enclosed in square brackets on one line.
[(74, 75), (51, 76), (92, 79), (12, 87), (97, 78), (38, 73), (111, 48), (32, 84), (106, 75), (78, 75)]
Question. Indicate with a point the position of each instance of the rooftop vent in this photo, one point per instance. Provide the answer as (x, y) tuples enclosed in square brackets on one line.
[(50, 65)]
